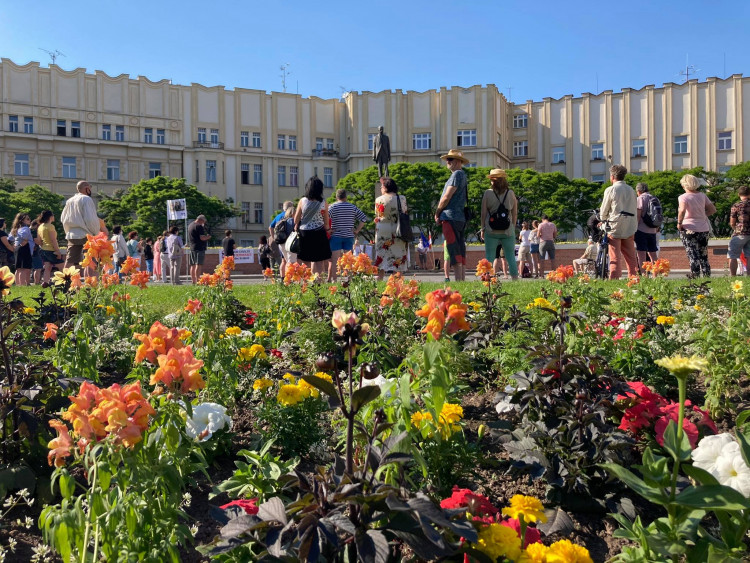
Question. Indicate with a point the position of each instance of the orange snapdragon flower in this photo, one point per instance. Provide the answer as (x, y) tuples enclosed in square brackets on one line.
[(108, 280), (179, 370), (297, 273), (91, 281), (561, 274), (129, 266), (159, 340), (397, 289), (484, 267), (659, 268), (452, 313), (98, 248), (59, 447), (139, 279), (51, 332), (193, 306), (210, 280)]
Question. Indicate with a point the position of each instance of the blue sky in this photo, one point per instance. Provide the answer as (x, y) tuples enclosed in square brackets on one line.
[(538, 48)]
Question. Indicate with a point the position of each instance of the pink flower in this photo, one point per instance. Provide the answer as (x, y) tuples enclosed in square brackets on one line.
[(532, 534)]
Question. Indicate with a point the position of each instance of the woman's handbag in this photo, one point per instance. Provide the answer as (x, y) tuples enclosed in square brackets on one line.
[(292, 243), (403, 227)]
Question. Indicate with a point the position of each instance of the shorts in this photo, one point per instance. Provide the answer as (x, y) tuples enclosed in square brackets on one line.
[(36, 260), (49, 256), (524, 253), (645, 242), (547, 249), (197, 257), (23, 258), (534, 249), (341, 243), (74, 254), (582, 261), (453, 233), (499, 253), (290, 257), (737, 245)]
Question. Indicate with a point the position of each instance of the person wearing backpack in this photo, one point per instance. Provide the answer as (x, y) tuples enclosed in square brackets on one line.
[(499, 213), (649, 214), (280, 229), (164, 252)]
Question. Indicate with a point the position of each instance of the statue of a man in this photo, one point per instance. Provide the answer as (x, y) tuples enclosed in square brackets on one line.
[(381, 152)]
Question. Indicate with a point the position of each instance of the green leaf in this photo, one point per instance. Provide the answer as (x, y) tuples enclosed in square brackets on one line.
[(744, 446), (62, 541), (712, 497), (10, 327), (325, 386), (363, 396), (67, 484), (679, 451), (702, 476), (741, 418), (653, 494)]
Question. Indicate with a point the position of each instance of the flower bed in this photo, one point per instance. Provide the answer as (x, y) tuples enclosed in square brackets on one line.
[(590, 420)]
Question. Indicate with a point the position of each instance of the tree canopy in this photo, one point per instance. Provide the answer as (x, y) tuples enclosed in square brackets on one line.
[(143, 207), (32, 199)]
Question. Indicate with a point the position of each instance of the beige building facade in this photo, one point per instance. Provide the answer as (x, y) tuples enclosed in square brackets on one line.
[(257, 149)]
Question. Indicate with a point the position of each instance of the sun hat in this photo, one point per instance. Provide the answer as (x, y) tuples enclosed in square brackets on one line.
[(458, 155), (497, 173)]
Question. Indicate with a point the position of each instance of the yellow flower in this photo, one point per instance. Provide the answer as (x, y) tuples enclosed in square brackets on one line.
[(737, 286), (540, 302), (298, 302), (474, 305), (528, 508), (289, 395), (29, 310), (697, 307), (681, 366), (323, 375), (262, 384), (233, 331), (700, 296), (6, 280), (278, 326), (450, 415), (499, 542), (261, 334), (60, 277), (308, 390), (419, 417), (534, 553), (111, 310), (255, 351), (290, 378), (663, 320), (565, 551)]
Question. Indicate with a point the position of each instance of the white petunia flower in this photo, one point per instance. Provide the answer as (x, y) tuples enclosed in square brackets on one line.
[(732, 471), (207, 418), (385, 384), (711, 448)]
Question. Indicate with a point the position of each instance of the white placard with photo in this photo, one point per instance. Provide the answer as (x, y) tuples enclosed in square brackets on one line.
[(176, 209)]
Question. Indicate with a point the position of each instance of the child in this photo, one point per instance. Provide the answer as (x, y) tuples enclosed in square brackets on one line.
[(579, 264), (264, 253)]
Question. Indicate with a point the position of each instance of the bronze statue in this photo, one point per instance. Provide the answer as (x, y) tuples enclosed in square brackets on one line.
[(381, 151)]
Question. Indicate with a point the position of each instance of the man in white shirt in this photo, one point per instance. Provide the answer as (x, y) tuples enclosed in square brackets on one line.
[(79, 219), (619, 208)]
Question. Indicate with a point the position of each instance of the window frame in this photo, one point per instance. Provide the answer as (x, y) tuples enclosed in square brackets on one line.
[(28, 125), (120, 133), (521, 121), (520, 148), (62, 127), (244, 139), (677, 145), (328, 176), (556, 152), (214, 138), (152, 169), (161, 136), (256, 140), (294, 176), (12, 124), (281, 175), (106, 132), (292, 142), (281, 142), (257, 174), (148, 135), (724, 143), (202, 135), (69, 169), (638, 150), (463, 134), (211, 171), (114, 176), (597, 151), (419, 140), (258, 212), (244, 173), (23, 162), (75, 129)]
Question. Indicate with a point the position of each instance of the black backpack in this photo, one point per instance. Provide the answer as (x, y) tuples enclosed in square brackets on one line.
[(163, 245), (652, 216), (281, 231), (500, 219)]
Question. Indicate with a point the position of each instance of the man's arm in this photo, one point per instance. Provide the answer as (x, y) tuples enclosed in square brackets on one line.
[(604, 209), (90, 218), (443, 203), (514, 213)]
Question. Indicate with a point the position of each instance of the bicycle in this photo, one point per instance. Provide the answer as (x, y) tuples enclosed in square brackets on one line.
[(598, 230)]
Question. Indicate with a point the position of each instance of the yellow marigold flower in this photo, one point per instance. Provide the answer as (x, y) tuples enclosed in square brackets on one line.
[(261, 334), (257, 351), (323, 375), (697, 307), (450, 416), (664, 320), (419, 417), (308, 390), (474, 305), (289, 395), (262, 384), (111, 310), (184, 334), (499, 542), (681, 366), (534, 553), (243, 354), (540, 302), (233, 331), (298, 302), (278, 326), (565, 551), (700, 296), (290, 378), (29, 310), (528, 508)]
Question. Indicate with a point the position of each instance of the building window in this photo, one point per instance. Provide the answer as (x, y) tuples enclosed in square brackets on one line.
[(201, 134), (154, 169), (520, 148), (558, 155), (467, 138), (210, 171), (119, 132), (245, 216), (257, 174), (598, 178), (521, 121), (723, 169), (421, 141), (21, 165), (28, 124), (499, 141), (258, 212), (281, 175), (293, 175), (214, 138), (148, 135), (75, 128), (292, 142), (69, 167), (13, 123), (113, 170), (281, 142), (160, 136), (328, 177), (244, 139), (639, 147), (319, 143), (471, 165), (725, 140), (370, 137), (244, 173), (106, 132), (62, 127), (329, 144), (256, 140), (197, 170), (681, 144), (597, 151)]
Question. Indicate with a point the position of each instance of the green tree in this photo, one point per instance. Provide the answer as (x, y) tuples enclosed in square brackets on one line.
[(7, 184), (33, 200), (143, 207)]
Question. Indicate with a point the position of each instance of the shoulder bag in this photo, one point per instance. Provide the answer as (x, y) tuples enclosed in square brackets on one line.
[(403, 227)]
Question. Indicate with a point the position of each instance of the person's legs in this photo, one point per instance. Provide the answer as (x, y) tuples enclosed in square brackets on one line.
[(509, 249), (165, 267), (734, 251), (75, 253), (333, 268), (701, 240), (692, 251), (615, 255), (627, 248)]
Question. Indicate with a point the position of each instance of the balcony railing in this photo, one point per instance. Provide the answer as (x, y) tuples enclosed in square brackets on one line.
[(324, 152), (207, 145)]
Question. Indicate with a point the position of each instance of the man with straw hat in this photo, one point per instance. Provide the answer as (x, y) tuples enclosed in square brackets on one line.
[(450, 211)]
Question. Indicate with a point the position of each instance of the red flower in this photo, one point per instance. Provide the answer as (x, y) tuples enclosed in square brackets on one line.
[(250, 318), (275, 352), (248, 505), (532, 534), (474, 503)]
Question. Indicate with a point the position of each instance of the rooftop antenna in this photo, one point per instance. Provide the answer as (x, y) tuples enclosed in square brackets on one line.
[(689, 69), (284, 74), (344, 91), (510, 91), (53, 54)]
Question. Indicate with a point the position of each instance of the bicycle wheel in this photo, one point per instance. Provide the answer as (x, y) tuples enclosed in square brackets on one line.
[(602, 264)]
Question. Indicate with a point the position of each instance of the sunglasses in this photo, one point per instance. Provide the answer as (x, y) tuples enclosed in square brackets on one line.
[(450, 159)]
